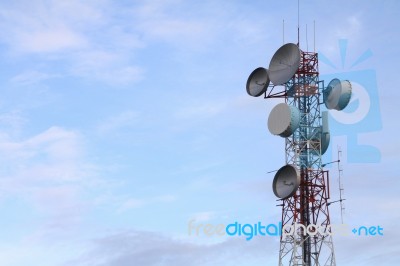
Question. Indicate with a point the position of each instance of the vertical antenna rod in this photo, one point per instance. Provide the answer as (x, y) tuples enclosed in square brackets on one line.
[(340, 171), (283, 31), (314, 36), (306, 38), (298, 23)]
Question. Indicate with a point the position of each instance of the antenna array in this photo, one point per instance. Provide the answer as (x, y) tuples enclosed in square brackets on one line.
[(302, 185)]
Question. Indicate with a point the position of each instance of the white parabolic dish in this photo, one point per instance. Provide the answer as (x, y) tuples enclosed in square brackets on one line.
[(286, 181), (283, 120), (345, 95), (332, 94), (325, 135), (284, 63), (337, 95), (258, 82)]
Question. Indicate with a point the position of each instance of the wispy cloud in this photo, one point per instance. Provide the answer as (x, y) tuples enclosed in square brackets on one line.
[(118, 122), (83, 36), (156, 20), (31, 77), (147, 248), (42, 27), (49, 171), (96, 44), (203, 216), (133, 203), (351, 27), (49, 40), (11, 123), (202, 110)]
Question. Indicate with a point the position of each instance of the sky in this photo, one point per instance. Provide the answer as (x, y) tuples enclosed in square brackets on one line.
[(123, 121)]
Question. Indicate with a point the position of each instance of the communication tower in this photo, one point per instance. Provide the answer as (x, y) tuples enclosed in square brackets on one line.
[(302, 185)]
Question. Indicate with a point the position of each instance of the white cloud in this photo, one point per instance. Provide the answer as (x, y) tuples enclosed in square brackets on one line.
[(123, 75), (108, 66), (118, 122), (31, 77), (39, 27), (203, 216), (83, 36), (156, 21), (351, 27), (200, 110), (148, 249), (133, 203), (51, 40), (101, 40), (11, 122), (49, 172)]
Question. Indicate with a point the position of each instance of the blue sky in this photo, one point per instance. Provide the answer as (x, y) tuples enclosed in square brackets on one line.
[(120, 121)]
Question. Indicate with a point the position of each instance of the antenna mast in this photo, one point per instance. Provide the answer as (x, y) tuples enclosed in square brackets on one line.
[(314, 36), (306, 38), (341, 188), (302, 184), (298, 23), (283, 32)]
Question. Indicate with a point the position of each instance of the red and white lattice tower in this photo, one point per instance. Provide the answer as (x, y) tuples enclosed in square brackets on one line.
[(309, 205), (302, 185)]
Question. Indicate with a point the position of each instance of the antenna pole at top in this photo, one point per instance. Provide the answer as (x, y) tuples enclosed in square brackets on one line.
[(298, 23), (283, 32), (314, 36), (306, 38)]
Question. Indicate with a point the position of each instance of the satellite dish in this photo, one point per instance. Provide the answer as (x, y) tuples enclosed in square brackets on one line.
[(337, 95), (283, 120), (325, 122), (345, 95), (332, 94), (325, 135), (284, 63), (258, 82), (325, 140), (286, 181)]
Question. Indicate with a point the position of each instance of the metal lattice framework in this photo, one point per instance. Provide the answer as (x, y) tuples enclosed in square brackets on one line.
[(308, 244)]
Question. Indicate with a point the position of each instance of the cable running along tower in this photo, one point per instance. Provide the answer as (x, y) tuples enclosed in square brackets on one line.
[(301, 185)]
